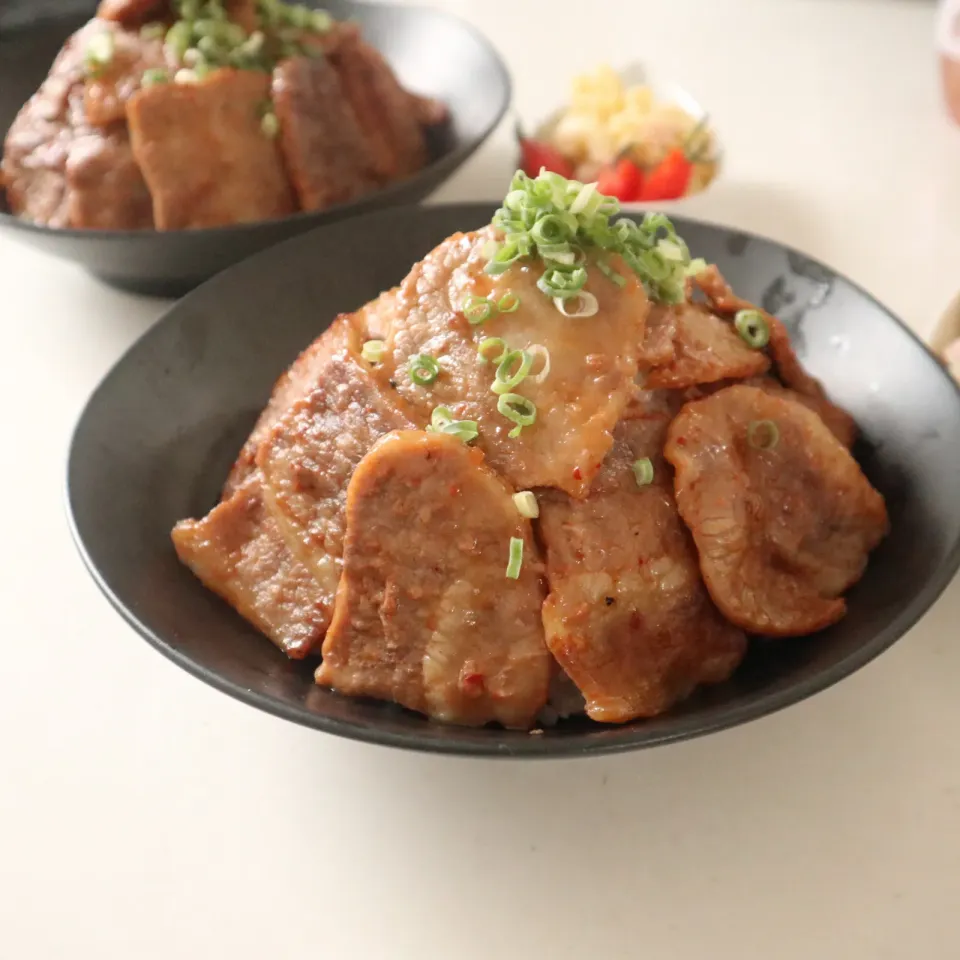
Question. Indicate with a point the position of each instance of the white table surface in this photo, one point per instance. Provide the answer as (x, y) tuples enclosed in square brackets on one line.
[(144, 815)]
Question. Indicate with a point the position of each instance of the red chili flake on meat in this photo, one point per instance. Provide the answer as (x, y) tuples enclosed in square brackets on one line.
[(577, 475), (454, 489), (681, 441), (635, 620)]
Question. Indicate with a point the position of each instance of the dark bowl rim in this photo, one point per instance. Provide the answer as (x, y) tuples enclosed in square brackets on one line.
[(631, 736), (454, 159)]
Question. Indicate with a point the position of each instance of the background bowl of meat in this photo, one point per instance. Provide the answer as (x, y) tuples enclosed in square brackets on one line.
[(163, 430), (462, 88)]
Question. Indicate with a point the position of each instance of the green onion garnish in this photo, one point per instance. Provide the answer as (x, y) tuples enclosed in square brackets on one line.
[(516, 558), (584, 304), (695, 266), (526, 503), (270, 125), (152, 31), (539, 351), (518, 410), (643, 471), (560, 220), (373, 351), (753, 328), (763, 434), (611, 274), (477, 309), (424, 369), (509, 302), (488, 345), (153, 76), (441, 421), (504, 380), (99, 52), (178, 40)]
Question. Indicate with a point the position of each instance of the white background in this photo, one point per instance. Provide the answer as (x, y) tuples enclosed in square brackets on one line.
[(144, 815)]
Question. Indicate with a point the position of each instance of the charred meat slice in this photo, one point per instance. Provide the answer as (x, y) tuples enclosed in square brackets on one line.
[(105, 189), (383, 109), (310, 455), (425, 615), (705, 349), (303, 377), (237, 551), (59, 168), (593, 362), (204, 154), (328, 159), (107, 91), (787, 366), (347, 332), (657, 349), (627, 616), (782, 516)]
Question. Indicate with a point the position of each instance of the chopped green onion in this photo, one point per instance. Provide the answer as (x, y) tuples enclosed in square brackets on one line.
[(763, 434), (527, 506), (99, 51), (611, 274), (518, 410), (643, 471), (504, 380), (440, 418), (441, 421), (538, 351), (321, 21), (152, 31), (695, 266), (463, 430), (186, 76), (559, 220), (373, 351), (516, 558), (562, 283), (424, 369), (154, 76), (508, 303), (583, 305), (178, 40), (270, 125), (490, 344), (477, 309), (753, 328)]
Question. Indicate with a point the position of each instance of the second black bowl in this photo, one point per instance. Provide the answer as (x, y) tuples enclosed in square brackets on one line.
[(433, 53)]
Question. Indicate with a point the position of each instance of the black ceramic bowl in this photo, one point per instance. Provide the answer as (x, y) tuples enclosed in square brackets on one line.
[(433, 53), (159, 434)]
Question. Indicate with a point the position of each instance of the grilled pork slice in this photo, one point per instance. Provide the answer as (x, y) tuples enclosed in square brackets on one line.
[(310, 455), (425, 615), (237, 551), (593, 361), (782, 516), (786, 365), (705, 349), (328, 158), (204, 154), (110, 86), (61, 171), (348, 331), (628, 617), (388, 117)]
